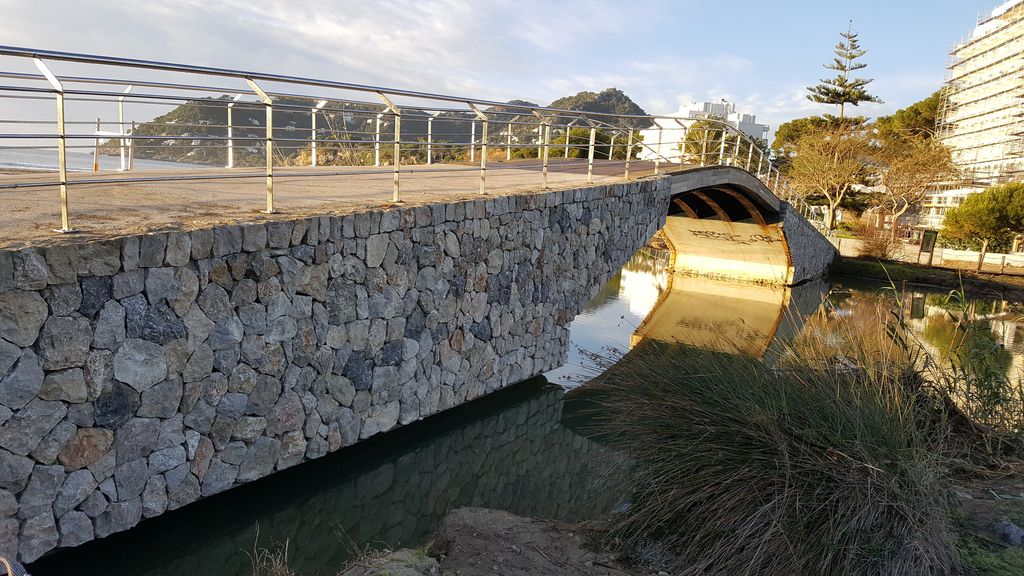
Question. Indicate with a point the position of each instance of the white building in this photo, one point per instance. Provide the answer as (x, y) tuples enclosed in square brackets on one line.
[(981, 114), (671, 131), (981, 118)]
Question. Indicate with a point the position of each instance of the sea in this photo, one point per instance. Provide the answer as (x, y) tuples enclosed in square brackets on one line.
[(43, 159)]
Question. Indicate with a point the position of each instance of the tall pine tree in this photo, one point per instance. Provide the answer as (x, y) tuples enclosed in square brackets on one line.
[(842, 89)]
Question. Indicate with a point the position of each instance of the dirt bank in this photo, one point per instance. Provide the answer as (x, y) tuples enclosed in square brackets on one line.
[(477, 541)]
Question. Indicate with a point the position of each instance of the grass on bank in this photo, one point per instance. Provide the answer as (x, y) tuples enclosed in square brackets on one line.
[(821, 463), (897, 272)]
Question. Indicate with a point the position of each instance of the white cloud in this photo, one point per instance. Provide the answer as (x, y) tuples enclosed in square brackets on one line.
[(501, 49)]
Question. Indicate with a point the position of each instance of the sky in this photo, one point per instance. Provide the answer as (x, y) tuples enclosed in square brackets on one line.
[(760, 54)]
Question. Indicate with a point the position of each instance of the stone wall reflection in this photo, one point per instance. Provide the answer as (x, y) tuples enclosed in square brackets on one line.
[(516, 455), (729, 316)]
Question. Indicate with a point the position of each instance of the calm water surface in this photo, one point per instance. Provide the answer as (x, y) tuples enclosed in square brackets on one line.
[(512, 450)]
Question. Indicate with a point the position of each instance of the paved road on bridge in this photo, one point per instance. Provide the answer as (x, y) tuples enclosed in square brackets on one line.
[(114, 209)]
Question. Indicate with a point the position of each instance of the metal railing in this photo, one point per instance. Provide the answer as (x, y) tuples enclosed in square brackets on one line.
[(338, 147)]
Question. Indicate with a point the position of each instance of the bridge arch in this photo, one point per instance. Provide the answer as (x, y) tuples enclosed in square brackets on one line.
[(723, 222)]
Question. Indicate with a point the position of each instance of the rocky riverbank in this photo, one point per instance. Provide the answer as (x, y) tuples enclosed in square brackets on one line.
[(478, 541)]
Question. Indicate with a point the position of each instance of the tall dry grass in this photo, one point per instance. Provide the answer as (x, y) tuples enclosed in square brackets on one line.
[(826, 462)]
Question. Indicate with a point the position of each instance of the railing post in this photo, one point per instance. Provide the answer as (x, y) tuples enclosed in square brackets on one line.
[(312, 122), (657, 155), (736, 150), (704, 146), (483, 146), (721, 150), (629, 152), (430, 139), (547, 146), (508, 143), (131, 149), (540, 139), (396, 195), (62, 164), (590, 155), (269, 141), (472, 141), (750, 154), (568, 132), (376, 143), (96, 149), (120, 126), (760, 161), (611, 147), (231, 142)]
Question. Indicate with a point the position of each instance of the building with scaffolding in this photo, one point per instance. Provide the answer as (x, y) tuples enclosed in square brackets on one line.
[(981, 117)]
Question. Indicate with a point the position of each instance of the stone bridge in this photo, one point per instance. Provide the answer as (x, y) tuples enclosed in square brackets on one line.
[(140, 374)]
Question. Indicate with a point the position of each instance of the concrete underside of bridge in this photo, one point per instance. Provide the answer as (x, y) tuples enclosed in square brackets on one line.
[(724, 223), (140, 374)]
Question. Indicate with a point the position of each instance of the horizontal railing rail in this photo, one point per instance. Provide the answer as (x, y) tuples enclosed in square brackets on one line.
[(277, 128)]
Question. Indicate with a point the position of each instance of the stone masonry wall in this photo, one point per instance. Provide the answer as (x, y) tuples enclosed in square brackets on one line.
[(141, 374), (811, 253)]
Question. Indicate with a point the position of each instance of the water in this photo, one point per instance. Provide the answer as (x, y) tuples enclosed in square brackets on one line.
[(77, 161), (518, 449)]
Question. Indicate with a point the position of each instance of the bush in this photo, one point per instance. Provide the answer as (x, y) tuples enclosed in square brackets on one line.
[(877, 243), (823, 464)]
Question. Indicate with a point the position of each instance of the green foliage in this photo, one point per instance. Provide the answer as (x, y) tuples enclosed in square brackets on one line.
[(997, 214), (608, 101), (703, 142), (988, 560), (917, 119), (789, 133), (843, 89), (579, 144)]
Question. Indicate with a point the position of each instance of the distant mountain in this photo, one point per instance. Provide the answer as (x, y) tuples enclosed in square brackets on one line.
[(607, 101), (196, 131)]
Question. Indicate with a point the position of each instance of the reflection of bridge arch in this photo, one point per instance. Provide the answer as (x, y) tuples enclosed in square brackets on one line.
[(723, 222)]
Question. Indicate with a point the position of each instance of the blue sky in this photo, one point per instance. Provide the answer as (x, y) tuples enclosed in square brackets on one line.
[(760, 54)]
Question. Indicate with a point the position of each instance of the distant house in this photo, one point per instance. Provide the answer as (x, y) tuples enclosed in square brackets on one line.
[(671, 131)]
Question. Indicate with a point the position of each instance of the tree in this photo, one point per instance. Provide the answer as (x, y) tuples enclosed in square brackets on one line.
[(788, 133), (994, 216), (917, 119), (911, 165), (703, 142), (579, 144), (828, 163), (842, 89)]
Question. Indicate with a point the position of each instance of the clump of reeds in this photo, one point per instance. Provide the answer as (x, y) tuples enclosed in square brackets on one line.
[(819, 464)]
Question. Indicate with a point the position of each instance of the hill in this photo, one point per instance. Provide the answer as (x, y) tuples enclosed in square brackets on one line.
[(196, 131)]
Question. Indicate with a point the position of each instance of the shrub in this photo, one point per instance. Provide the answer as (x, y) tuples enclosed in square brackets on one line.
[(823, 464), (877, 243)]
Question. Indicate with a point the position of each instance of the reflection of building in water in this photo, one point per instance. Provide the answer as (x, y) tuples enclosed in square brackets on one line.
[(935, 322), (729, 316), (987, 331)]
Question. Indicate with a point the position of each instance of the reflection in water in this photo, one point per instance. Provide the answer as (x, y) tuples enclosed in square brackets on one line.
[(726, 316), (508, 451), (605, 325), (984, 333)]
